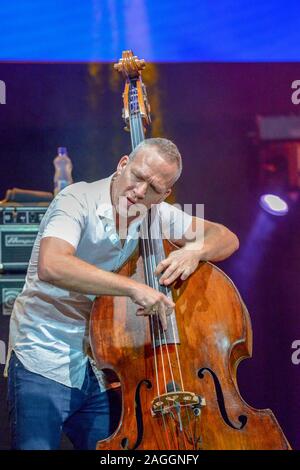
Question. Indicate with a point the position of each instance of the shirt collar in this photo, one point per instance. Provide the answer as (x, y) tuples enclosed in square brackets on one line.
[(104, 207)]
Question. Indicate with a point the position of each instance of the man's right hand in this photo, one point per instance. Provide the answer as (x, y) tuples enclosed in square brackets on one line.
[(59, 266), (152, 302)]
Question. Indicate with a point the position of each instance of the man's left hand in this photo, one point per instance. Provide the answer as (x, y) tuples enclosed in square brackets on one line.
[(179, 264)]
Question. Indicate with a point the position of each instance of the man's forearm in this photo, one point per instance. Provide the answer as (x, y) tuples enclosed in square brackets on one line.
[(218, 244), (71, 273)]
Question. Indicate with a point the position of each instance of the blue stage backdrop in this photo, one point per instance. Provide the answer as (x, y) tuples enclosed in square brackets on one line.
[(158, 30)]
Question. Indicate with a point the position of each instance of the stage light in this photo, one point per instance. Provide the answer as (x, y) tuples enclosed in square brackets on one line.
[(273, 204), (279, 163)]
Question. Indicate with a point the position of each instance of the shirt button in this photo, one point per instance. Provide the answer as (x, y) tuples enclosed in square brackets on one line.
[(114, 238)]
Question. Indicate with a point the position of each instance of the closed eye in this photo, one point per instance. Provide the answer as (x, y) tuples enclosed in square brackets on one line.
[(141, 178), (155, 189)]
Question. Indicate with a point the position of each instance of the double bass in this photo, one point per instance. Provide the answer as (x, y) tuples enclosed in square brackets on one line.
[(179, 386)]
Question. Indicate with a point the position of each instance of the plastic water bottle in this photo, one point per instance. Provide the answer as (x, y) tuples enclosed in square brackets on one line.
[(63, 170)]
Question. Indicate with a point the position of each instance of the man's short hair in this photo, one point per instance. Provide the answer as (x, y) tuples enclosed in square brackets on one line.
[(165, 149)]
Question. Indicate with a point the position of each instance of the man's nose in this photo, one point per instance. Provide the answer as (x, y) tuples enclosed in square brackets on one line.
[(141, 189)]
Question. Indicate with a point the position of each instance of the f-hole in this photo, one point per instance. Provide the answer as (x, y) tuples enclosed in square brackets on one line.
[(220, 398)]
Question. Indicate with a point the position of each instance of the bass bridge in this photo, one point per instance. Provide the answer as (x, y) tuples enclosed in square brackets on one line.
[(178, 401)]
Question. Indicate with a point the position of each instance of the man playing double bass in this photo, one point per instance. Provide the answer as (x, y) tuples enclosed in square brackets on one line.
[(86, 235)]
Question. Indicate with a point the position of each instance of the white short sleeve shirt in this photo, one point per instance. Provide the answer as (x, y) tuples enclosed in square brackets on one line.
[(49, 325)]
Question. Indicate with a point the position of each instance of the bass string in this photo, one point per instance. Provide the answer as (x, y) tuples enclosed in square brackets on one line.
[(155, 284), (155, 232), (137, 136), (158, 228), (176, 348), (153, 342)]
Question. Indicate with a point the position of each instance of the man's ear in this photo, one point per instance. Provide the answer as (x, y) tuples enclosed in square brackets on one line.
[(167, 194), (122, 163)]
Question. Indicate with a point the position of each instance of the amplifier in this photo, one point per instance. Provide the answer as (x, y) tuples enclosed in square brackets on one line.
[(21, 215), (10, 287), (18, 229)]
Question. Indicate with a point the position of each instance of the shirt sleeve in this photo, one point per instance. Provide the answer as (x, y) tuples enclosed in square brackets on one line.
[(67, 215), (174, 221)]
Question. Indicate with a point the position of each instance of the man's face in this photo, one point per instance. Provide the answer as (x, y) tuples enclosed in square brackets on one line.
[(147, 180)]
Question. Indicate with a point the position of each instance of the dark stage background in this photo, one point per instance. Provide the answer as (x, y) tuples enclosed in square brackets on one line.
[(209, 111)]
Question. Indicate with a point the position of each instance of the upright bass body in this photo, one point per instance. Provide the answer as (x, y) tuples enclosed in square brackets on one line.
[(214, 336)]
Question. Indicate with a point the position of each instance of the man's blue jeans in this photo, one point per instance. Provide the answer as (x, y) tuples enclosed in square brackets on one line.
[(40, 409)]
